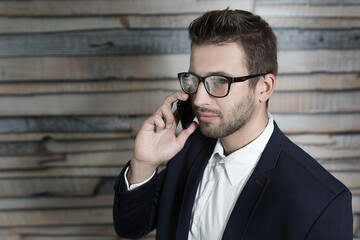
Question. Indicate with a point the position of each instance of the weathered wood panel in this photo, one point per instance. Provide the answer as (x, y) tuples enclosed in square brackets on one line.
[(290, 123), (167, 41), (288, 10), (63, 217), (48, 186), (49, 24), (284, 83), (57, 158), (160, 66), (56, 202), (146, 102), (112, 7), (113, 158)]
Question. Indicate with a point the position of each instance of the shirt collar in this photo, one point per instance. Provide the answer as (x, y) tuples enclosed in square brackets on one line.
[(240, 163)]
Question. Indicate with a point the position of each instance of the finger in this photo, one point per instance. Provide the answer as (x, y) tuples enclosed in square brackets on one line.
[(171, 99), (158, 122), (185, 133), (166, 113)]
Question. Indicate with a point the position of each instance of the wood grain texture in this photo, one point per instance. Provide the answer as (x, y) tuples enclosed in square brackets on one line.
[(319, 81), (288, 10), (50, 186), (158, 41), (66, 8), (63, 217), (77, 82), (289, 123), (160, 66), (146, 102), (65, 24)]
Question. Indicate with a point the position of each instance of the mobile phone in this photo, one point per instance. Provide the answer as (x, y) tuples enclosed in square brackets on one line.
[(186, 113)]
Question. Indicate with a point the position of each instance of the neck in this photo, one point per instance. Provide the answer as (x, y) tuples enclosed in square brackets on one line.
[(246, 134)]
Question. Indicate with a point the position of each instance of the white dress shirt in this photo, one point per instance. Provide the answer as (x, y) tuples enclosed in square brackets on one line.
[(223, 180)]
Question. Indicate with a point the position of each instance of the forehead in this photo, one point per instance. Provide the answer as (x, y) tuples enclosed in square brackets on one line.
[(228, 58)]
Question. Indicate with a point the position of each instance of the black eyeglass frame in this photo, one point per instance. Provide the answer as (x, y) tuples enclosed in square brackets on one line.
[(229, 79)]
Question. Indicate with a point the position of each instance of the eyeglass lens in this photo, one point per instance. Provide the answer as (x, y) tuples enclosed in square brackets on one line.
[(215, 85)]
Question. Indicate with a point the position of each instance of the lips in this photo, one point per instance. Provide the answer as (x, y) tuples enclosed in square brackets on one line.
[(206, 117)]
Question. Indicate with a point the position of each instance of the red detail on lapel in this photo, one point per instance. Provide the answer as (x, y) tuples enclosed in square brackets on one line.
[(259, 183)]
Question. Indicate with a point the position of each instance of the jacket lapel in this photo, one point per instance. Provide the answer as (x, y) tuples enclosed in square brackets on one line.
[(194, 176), (254, 189)]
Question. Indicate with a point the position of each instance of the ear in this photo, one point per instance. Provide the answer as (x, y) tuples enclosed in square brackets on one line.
[(266, 87)]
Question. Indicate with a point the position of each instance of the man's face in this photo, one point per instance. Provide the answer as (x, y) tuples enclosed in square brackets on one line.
[(220, 117)]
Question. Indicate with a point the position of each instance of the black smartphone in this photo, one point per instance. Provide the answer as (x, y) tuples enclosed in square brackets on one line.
[(186, 113)]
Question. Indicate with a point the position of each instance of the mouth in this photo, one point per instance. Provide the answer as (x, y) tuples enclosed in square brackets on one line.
[(206, 115)]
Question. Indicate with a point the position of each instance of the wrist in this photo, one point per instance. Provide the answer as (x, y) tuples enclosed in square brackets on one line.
[(139, 171)]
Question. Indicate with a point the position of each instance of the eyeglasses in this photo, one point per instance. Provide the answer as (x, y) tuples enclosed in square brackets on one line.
[(216, 85)]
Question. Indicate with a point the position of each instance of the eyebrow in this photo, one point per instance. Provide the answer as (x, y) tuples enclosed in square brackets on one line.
[(217, 73)]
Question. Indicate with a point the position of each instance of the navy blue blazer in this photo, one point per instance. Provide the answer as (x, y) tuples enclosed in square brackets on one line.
[(288, 196)]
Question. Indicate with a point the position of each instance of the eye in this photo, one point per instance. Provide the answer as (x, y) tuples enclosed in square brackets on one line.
[(218, 80)]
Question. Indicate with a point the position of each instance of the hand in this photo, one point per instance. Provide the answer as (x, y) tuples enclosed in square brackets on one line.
[(156, 142)]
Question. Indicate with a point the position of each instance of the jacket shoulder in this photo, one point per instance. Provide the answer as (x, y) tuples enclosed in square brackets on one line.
[(306, 166)]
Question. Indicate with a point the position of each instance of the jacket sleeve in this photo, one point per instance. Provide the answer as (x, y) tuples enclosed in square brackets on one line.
[(335, 221), (134, 212)]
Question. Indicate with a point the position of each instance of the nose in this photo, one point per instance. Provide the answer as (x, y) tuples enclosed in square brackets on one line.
[(201, 97)]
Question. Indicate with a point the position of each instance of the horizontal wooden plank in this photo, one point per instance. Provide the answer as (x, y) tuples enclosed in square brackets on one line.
[(62, 172), (341, 141), (36, 203), (356, 226), (318, 123), (350, 179), (319, 81), (63, 217), (112, 7), (313, 61), (69, 124), (328, 152), (308, 2), (85, 237), (341, 165), (79, 230), (10, 237), (113, 158), (50, 147), (159, 66), (33, 88), (314, 102), (27, 162), (155, 41), (70, 68), (288, 10), (36, 137), (50, 186), (313, 22), (146, 102), (88, 146), (60, 24), (105, 42), (289, 123), (51, 24)]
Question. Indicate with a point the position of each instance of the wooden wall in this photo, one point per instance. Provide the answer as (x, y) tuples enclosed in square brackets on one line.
[(78, 77)]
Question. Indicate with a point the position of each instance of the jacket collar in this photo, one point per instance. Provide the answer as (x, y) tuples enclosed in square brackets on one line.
[(255, 188), (250, 196)]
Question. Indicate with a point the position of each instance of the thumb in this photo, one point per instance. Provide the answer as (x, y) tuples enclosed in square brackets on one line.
[(185, 133)]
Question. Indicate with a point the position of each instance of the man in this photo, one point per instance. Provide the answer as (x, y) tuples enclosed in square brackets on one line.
[(235, 175)]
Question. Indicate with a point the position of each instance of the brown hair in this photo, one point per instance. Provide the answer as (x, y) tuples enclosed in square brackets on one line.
[(250, 31)]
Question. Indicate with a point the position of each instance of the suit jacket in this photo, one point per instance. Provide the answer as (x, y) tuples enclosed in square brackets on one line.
[(288, 196)]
